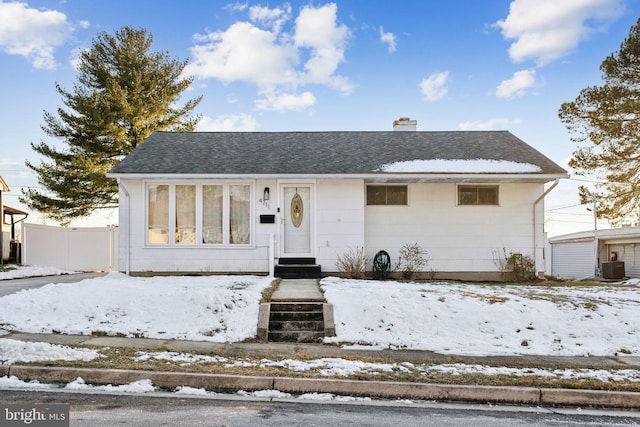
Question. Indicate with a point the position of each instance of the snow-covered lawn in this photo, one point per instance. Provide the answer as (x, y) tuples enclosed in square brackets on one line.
[(477, 319), (207, 308), (456, 318)]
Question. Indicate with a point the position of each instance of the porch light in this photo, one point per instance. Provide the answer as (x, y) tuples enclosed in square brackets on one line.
[(265, 195)]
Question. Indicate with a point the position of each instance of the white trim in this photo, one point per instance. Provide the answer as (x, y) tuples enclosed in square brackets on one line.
[(312, 185), (373, 177)]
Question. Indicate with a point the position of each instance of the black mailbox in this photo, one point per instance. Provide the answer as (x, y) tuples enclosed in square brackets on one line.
[(267, 219)]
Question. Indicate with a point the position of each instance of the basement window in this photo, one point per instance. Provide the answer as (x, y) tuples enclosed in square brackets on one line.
[(478, 195), (387, 195)]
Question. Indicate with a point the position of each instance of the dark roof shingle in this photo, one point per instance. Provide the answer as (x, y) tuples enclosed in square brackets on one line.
[(319, 153)]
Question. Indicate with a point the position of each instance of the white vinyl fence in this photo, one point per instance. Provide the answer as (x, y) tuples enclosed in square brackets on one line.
[(70, 248)]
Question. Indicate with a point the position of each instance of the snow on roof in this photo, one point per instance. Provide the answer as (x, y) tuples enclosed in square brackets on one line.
[(461, 166)]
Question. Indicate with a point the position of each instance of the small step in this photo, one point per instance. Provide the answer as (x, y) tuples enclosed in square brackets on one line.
[(298, 306), (296, 261), (298, 336), (296, 326), (298, 271), (296, 316)]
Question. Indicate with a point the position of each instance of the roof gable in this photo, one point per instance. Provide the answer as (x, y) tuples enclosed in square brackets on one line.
[(322, 153)]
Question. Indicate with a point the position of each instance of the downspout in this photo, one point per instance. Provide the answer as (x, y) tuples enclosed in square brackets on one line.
[(535, 219), (128, 245)]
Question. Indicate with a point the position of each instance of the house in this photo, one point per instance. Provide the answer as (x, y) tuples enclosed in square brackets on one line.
[(244, 202), (4, 235), (9, 243), (607, 254)]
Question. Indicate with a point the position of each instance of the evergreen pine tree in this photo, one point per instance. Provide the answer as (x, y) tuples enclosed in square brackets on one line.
[(605, 123), (123, 93)]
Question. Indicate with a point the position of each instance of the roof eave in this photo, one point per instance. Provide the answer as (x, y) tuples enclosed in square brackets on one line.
[(371, 177)]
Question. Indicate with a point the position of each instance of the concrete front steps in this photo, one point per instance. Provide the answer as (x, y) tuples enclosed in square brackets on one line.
[(297, 268), (297, 313), (296, 322)]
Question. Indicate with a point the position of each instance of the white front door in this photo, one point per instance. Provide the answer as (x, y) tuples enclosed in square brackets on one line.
[(297, 226)]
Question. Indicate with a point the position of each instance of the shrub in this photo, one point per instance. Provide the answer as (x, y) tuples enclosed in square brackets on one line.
[(353, 263), (411, 260), (523, 267)]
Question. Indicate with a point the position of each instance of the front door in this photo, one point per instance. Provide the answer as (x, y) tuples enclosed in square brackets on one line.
[(297, 214)]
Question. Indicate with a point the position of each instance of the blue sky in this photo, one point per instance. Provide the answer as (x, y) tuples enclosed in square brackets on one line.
[(343, 65)]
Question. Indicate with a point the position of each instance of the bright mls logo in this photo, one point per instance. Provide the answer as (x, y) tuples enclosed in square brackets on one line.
[(54, 415)]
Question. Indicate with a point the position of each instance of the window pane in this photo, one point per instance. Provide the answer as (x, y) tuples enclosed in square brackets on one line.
[(397, 195), (467, 196), (186, 214), (212, 214), (239, 214), (488, 195), (478, 195), (386, 194), (158, 231), (376, 195)]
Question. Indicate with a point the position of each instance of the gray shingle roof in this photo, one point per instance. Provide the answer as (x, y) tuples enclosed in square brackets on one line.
[(317, 153)]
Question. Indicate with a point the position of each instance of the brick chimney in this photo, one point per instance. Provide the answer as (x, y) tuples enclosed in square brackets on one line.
[(405, 124)]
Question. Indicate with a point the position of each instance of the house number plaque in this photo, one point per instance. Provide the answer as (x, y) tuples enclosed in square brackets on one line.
[(297, 210)]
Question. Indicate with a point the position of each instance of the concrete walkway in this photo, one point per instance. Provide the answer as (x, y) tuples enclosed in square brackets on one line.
[(11, 286), (299, 290)]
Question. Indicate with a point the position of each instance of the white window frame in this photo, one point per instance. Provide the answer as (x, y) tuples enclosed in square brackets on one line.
[(199, 214)]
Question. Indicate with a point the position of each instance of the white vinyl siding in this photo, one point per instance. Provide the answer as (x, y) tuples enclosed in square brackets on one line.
[(573, 260)]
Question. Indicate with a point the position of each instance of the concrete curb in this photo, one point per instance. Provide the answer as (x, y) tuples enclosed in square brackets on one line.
[(379, 389)]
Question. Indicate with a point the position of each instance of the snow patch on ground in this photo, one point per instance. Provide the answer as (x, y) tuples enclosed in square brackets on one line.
[(140, 386), (15, 382), (32, 271), (12, 351)]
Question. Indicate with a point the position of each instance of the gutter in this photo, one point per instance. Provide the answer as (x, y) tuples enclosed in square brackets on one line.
[(535, 217), (128, 246), (373, 177)]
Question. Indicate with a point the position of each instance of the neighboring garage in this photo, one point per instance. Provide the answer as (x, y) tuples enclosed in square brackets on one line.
[(607, 254)]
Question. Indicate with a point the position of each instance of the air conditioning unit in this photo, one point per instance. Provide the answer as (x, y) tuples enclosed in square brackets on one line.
[(612, 270)]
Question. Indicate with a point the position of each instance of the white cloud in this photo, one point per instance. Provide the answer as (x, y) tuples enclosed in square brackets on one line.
[(497, 123), (517, 85), (274, 18), (236, 7), (245, 53), (261, 53), (389, 39), (33, 33), (545, 30), (434, 86), (228, 123), (286, 101), (317, 29)]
